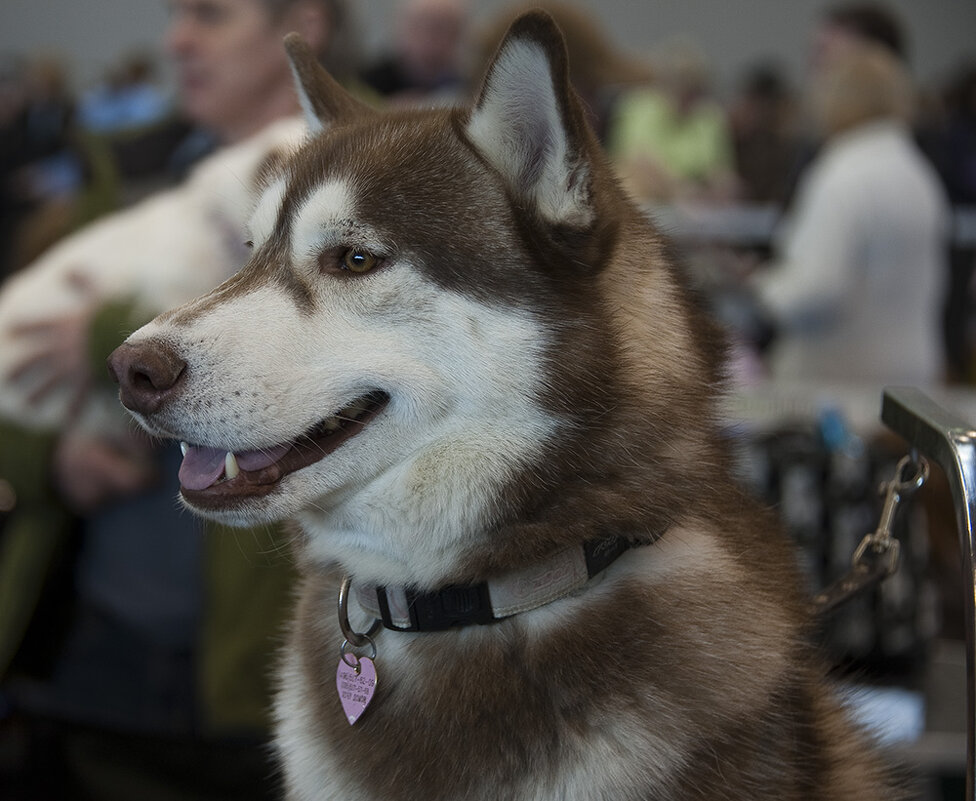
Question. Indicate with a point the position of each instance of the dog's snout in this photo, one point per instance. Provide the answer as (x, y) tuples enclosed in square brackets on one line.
[(147, 373)]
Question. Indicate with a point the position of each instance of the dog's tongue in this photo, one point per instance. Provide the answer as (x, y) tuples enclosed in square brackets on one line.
[(203, 466)]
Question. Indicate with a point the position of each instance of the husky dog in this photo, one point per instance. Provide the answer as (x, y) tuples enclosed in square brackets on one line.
[(464, 362)]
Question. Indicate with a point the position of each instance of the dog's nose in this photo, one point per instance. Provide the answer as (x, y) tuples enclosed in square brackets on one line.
[(147, 373)]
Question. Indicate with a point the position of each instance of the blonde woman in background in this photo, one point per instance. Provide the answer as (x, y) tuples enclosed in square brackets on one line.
[(857, 288)]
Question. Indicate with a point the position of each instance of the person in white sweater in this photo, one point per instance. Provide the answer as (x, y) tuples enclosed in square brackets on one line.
[(858, 286)]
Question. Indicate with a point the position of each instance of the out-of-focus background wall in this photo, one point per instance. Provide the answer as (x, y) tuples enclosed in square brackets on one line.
[(735, 33)]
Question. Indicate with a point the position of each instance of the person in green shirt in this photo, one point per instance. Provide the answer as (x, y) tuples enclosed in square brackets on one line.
[(669, 140)]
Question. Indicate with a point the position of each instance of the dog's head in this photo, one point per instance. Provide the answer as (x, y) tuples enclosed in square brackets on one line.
[(431, 329)]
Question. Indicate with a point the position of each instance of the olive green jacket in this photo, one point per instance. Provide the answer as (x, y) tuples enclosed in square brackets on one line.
[(248, 574)]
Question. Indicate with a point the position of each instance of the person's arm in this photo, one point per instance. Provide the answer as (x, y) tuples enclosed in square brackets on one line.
[(83, 468), (805, 285), (69, 350), (91, 469)]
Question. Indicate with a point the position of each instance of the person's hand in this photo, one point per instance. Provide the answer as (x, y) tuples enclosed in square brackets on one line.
[(57, 349), (90, 470)]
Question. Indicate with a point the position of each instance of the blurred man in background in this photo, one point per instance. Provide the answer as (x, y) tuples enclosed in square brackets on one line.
[(136, 648)]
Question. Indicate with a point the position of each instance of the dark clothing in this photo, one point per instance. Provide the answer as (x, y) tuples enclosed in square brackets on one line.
[(388, 78)]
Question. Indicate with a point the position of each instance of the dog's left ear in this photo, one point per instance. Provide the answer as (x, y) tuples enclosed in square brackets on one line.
[(529, 125), (323, 99)]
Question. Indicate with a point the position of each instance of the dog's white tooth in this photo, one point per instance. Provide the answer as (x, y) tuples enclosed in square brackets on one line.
[(332, 424), (231, 470), (184, 448)]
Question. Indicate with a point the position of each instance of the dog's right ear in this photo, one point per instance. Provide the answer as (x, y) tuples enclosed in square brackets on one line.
[(528, 124), (323, 99)]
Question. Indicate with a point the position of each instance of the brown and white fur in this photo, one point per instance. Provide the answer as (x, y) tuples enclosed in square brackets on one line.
[(550, 380)]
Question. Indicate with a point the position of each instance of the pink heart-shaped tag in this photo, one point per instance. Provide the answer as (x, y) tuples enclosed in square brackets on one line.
[(356, 684)]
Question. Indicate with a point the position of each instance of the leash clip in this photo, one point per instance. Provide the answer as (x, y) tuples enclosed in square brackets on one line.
[(881, 540), (877, 555)]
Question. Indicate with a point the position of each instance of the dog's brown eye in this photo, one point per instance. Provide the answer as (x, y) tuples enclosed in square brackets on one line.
[(358, 261)]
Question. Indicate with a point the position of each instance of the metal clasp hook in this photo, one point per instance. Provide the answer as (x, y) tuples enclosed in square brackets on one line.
[(881, 540), (351, 637)]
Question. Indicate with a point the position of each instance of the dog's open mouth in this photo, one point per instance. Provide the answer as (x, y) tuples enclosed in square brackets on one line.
[(212, 476)]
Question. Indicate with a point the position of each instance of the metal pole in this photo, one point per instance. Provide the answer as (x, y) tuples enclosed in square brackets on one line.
[(949, 441)]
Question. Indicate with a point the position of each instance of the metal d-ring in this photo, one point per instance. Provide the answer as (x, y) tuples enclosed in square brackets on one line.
[(347, 650), (354, 638)]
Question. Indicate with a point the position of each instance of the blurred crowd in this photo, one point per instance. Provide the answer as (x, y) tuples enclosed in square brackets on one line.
[(856, 275)]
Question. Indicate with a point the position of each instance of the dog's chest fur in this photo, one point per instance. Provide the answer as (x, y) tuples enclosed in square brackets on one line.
[(679, 674)]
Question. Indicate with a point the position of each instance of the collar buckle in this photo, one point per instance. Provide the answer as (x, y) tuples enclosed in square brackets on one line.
[(441, 610)]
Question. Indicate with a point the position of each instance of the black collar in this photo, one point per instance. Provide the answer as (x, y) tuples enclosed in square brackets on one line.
[(407, 609)]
